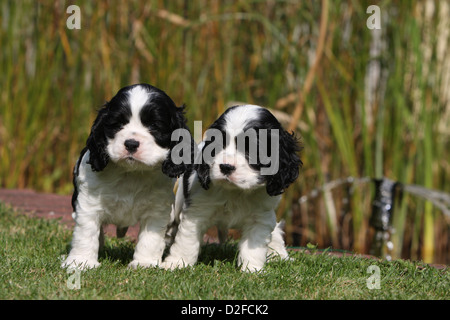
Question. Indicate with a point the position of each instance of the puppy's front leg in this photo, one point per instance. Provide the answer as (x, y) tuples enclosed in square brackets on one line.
[(150, 246), (277, 247), (256, 235), (184, 251), (85, 242)]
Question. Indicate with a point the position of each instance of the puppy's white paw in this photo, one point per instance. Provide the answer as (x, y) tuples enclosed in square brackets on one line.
[(142, 264), (249, 265), (172, 264), (274, 256), (80, 263), (251, 268)]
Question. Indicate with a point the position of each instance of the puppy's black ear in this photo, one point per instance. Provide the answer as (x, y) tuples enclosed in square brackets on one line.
[(203, 175), (96, 142), (288, 166), (182, 146)]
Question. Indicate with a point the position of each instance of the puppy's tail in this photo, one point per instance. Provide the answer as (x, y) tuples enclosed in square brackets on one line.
[(175, 214), (172, 228)]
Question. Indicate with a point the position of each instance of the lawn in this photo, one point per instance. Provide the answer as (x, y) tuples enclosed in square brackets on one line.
[(31, 249)]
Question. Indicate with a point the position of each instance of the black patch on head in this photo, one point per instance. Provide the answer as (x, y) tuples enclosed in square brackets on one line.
[(203, 168), (265, 121), (289, 160), (162, 117)]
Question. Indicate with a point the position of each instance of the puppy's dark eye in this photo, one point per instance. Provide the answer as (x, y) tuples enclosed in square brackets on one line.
[(217, 147), (154, 119), (114, 123), (244, 141)]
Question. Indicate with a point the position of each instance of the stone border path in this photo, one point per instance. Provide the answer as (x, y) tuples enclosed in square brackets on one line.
[(50, 206)]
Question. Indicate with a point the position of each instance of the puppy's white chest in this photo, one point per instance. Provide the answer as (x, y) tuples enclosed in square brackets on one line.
[(231, 214), (134, 199), (124, 210), (123, 198)]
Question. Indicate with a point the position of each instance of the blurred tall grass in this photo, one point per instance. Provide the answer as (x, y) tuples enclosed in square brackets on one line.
[(368, 102)]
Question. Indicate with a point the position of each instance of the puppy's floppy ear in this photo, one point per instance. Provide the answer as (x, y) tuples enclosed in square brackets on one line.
[(203, 175), (96, 142), (169, 168), (289, 164)]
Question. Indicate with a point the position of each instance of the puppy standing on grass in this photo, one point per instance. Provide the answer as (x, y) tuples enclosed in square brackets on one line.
[(123, 175), (248, 160)]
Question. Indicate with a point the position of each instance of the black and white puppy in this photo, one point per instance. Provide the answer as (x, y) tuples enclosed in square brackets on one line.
[(123, 175), (248, 160)]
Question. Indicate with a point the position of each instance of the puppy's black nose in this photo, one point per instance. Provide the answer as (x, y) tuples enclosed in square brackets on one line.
[(226, 169), (131, 145)]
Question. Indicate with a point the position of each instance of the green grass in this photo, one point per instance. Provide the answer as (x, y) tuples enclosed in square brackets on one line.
[(30, 251)]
